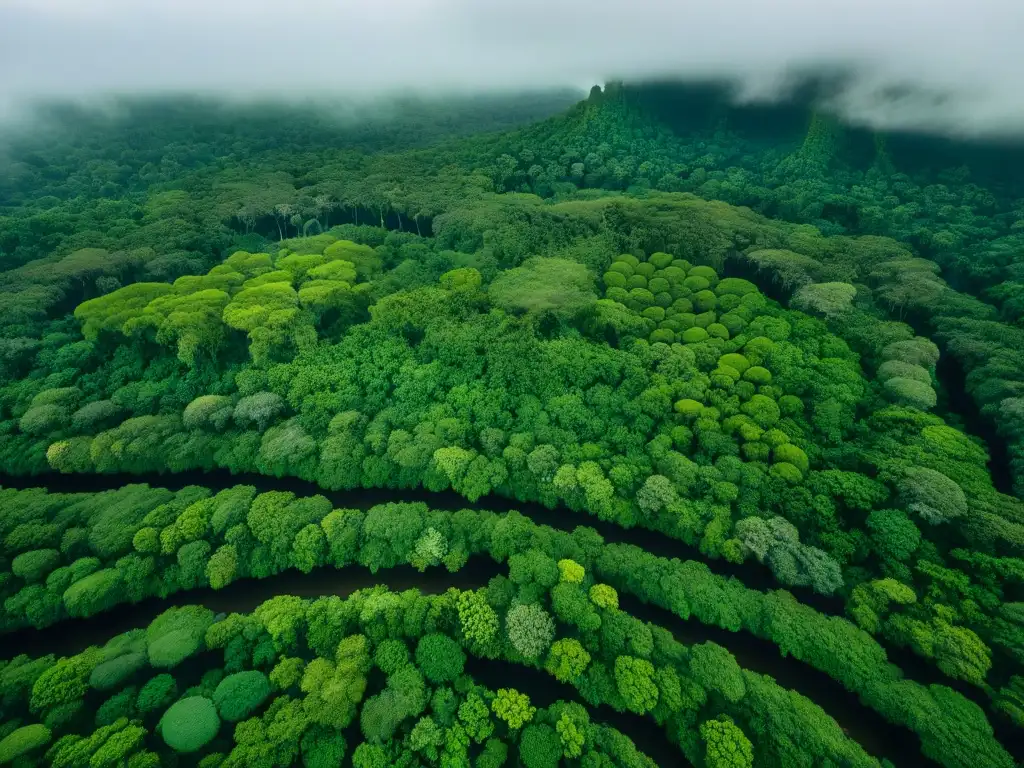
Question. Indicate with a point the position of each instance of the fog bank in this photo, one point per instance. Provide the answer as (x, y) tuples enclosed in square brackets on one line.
[(952, 67)]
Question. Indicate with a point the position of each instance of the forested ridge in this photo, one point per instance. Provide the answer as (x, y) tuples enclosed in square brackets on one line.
[(784, 353)]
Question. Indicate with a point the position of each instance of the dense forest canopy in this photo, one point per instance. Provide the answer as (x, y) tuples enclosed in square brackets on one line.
[(46, 147), (789, 350)]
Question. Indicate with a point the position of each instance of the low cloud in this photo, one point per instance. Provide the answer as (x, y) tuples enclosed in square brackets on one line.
[(951, 67)]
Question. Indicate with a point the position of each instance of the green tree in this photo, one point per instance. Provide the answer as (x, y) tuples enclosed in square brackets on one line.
[(404, 696), (558, 287), (911, 392), (571, 605), (426, 737), (430, 549), (439, 658), (477, 619), (826, 299), (333, 690), (22, 741), (530, 630), (571, 736), (960, 653), (310, 548), (656, 494), (176, 634), (208, 411), (222, 567), (239, 695), (287, 673), (110, 674), (634, 679), (567, 660), (475, 717), (66, 682), (726, 745), (932, 495), (157, 693), (189, 724), (714, 668), (570, 571), (322, 748), (604, 596), (35, 565), (893, 534), (493, 755), (540, 746), (94, 593), (513, 707)]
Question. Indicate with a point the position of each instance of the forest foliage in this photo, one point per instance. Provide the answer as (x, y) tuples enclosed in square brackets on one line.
[(788, 355)]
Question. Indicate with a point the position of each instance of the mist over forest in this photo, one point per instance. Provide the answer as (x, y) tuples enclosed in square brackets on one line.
[(461, 384), (899, 64)]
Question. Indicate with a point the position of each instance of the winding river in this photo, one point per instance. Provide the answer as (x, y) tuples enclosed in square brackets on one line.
[(876, 735)]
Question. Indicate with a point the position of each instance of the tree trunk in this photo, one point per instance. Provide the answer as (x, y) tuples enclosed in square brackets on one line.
[(416, 218), (280, 234)]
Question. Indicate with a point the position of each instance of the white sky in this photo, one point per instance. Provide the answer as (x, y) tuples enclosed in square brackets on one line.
[(971, 50)]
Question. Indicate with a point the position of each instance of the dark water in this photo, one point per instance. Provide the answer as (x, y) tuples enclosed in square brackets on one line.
[(243, 596), (954, 381), (877, 736), (751, 573), (863, 725)]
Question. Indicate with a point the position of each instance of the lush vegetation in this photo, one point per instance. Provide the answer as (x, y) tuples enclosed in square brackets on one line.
[(577, 314), (380, 675), (192, 539)]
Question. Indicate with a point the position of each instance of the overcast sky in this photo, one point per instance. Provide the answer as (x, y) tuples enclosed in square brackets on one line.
[(966, 56)]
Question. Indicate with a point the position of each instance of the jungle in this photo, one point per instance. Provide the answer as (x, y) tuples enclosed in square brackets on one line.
[(635, 428)]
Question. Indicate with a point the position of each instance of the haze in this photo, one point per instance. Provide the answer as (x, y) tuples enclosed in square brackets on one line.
[(950, 66)]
